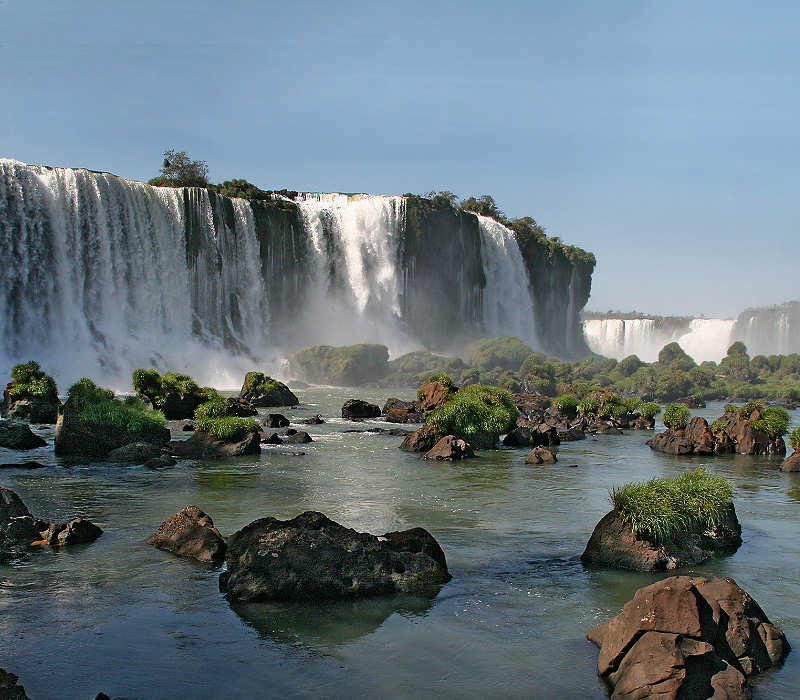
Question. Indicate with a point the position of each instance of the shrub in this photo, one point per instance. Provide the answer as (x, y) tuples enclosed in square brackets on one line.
[(211, 417), (794, 439), (98, 407), (774, 421), (662, 508), (676, 416), (476, 410), (31, 383), (632, 404), (747, 410), (178, 170), (507, 352), (718, 427), (731, 408), (619, 411), (589, 405), (566, 403), (147, 383), (649, 410)]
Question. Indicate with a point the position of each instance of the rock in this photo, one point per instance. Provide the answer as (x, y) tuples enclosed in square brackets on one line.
[(188, 427), (571, 434), (289, 431), (349, 365), (687, 637), (239, 408), (450, 448), (76, 531), (273, 439), (163, 460), (356, 409), (311, 557), (32, 410), (190, 533), (696, 438), (261, 391), (614, 543), (531, 434), (421, 440), (89, 441), (9, 688), (299, 437), (22, 465), (540, 455), (276, 420), (16, 435), (314, 420), (398, 411), (11, 506), (791, 463), (693, 402), (134, 453), (744, 439), (203, 446), (532, 403), (433, 395), (642, 423)]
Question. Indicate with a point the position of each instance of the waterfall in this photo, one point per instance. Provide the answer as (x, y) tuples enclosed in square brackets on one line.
[(508, 305), (619, 338), (773, 330), (102, 275), (708, 339)]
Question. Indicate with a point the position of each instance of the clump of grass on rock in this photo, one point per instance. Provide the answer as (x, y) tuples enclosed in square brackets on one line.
[(660, 509), (676, 416), (477, 412), (211, 418)]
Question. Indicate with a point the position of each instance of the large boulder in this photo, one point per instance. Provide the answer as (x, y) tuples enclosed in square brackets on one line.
[(614, 543), (356, 409), (31, 395), (76, 437), (39, 411), (9, 688), (687, 637), (299, 437), (134, 453), (312, 557), (450, 448), (695, 439), (399, 411), (791, 463), (261, 391), (190, 533), (421, 440), (745, 438), (348, 365), (16, 435), (528, 433), (204, 446), (276, 420), (76, 531), (433, 395)]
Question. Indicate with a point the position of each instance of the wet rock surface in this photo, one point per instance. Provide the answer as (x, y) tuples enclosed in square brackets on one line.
[(190, 533), (398, 411), (421, 440), (10, 689), (687, 637), (203, 446), (356, 409), (791, 463), (613, 543), (16, 435), (540, 455), (450, 448), (312, 557)]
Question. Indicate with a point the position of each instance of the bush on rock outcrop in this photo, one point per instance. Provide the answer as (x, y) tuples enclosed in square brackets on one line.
[(687, 638), (175, 395), (479, 414), (311, 557), (219, 434), (92, 422), (666, 524), (263, 391), (31, 395), (347, 365)]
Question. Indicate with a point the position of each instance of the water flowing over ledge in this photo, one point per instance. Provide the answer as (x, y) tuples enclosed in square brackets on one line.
[(104, 275)]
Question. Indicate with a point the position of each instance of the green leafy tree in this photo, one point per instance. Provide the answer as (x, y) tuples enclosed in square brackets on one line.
[(676, 416), (178, 170)]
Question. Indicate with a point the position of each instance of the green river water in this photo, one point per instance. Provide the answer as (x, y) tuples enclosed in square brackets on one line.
[(120, 616)]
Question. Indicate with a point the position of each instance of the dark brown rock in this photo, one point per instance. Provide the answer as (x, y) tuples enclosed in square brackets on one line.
[(163, 460), (276, 420), (76, 531), (16, 435), (11, 506), (134, 453), (746, 439), (433, 395), (687, 638), (540, 455), (450, 448), (312, 557), (272, 439), (613, 543), (791, 463), (299, 437), (421, 440), (356, 409), (39, 411), (240, 408), (398, 411), (642, 423), (22, 465), (314, 420), (203, 446), (531, 434), (571, 434), (190, 533)]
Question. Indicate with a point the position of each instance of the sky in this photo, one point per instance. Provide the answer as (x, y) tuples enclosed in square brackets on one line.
[(663, 137)]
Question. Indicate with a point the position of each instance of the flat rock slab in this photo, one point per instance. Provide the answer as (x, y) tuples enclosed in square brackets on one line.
[(687, 637), (312, 557), (190, 533)]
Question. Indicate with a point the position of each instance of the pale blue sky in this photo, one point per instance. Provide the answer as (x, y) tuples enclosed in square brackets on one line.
[(661, 136)]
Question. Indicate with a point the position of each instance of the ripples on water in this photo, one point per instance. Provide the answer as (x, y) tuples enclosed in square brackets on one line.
[(123, 617)]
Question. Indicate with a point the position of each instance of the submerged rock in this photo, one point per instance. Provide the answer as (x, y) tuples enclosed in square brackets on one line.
[(16, 435), (687, 638), (203, 446), (421, 440), (540, 455), (312, 557), (314, 420), (356, 409), (22, 465), (614, 543), (299, 437), (450, 448), (190, 533)]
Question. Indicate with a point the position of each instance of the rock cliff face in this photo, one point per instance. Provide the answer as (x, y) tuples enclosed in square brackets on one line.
[(118, 272)]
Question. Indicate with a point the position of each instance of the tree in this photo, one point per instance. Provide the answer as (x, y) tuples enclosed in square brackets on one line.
[(179, 170)]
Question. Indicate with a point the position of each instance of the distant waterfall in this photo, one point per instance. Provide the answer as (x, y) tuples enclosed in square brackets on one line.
[(102, 275), (508, 305), (770, 330)]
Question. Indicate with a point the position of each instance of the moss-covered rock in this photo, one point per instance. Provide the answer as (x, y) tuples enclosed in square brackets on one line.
[(31, 395), (175, 395), (346, 365), (261, 390)]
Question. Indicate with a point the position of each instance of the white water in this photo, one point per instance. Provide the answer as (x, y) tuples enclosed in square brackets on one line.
[(508, 305)]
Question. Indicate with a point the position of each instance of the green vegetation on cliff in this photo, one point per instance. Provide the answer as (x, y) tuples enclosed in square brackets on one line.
[(29, 382), (346, 365), (660, 509)]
